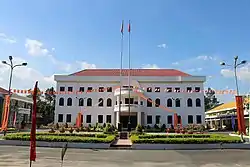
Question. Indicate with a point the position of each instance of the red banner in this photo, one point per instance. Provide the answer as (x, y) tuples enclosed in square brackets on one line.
[(175, 120), (79, 120), (33, 128), (5, 115), (240, 114)]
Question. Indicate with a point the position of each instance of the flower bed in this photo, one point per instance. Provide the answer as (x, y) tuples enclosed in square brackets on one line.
[(184, 139), (58, 137)]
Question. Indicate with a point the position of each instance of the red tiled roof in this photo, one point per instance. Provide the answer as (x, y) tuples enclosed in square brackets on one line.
[(3, 91), (133, 72)]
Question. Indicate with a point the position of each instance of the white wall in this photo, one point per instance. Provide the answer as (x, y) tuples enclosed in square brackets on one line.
[(95, 82)]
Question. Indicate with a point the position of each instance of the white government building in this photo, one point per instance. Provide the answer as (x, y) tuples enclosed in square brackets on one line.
[(155, 95)]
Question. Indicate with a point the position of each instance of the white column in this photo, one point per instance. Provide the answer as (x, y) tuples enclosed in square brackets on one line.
[(139, 118), (117, 119)]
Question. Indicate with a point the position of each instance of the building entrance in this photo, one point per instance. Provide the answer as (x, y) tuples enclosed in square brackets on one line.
[(124, 121)]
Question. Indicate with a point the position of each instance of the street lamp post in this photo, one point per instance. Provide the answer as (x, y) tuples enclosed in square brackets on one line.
[(235, 65), (12, 66)]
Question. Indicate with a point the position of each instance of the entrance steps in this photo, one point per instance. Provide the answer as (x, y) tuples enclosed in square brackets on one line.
[(122, 142)]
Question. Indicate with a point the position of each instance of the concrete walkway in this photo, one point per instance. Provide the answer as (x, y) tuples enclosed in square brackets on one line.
[(122, 142)]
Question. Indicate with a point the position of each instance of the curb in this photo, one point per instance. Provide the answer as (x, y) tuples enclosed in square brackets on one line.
[(133, 147)]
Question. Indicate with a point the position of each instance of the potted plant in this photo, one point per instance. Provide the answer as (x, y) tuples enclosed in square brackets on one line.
[(71, 130)]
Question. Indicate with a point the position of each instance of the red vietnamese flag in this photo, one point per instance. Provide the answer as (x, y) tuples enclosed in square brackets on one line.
[(33, 128), (129, 27), (122, 27)]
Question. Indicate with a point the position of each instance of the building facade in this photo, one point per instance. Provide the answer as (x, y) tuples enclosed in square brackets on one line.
[(20, 108), (153, 97), (224, 116)]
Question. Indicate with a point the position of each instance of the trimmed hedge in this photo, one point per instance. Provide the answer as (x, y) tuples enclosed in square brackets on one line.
[(183, 139), (62, 138), (64, 134), (175, 136)]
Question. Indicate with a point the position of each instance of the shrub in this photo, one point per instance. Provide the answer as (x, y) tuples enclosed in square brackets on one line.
[(62, 130), (71, 130), (156, 126), (163, 127), (66, 125), (57, 126), (52, 130), (135, 139), (104, 125), (63, 138), (139, 128), (77, 130)]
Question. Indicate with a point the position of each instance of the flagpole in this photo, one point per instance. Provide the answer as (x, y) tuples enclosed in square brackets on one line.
[(121, 57), (30, 163), (129, 124)]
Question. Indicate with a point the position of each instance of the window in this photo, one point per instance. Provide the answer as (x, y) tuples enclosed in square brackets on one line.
[(157, 119), (81, 102), (141, 103), (149, 89), (100, 118), (89, 89), (109, 89), (169, 90), (149, 102), (69, 102), (170, 119), (108, 119), (149, 119), (157, 89), (70, 89), (177, 90), (179, 119), (61, 102), (189, 102), (169, 103), (177, 102), (62, 89), (157, 102), (197, 89), (101, 89), (135, 102), (100, 102), (88, 118), (89, 102), (60, 117), (81, 89), (109, 102), (198, 119), (127, 101), (190, 119), (189, 89), (68, 118), (198, 102)]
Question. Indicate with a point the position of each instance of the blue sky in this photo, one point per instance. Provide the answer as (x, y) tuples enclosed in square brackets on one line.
[(197, 35)]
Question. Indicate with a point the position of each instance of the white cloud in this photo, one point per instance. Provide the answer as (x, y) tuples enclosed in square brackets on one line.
[(195, 69), (24, 77), (35, 48), (85, 65), (205, 57), (175, 63), (243, 73), (162, 46), (5, 38), (150, 66)]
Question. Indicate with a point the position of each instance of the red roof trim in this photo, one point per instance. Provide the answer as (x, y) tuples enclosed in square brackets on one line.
[(3, 91), (133, 72)]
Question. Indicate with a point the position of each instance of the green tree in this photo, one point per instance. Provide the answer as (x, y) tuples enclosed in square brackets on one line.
[(210, 99), (45, 105)]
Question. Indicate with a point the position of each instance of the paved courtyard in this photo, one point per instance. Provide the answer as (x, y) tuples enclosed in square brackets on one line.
[(13, 156)]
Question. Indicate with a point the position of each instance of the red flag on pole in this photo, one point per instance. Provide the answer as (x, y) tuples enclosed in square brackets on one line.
[(129, 26), (33, 128), (122, 27)]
